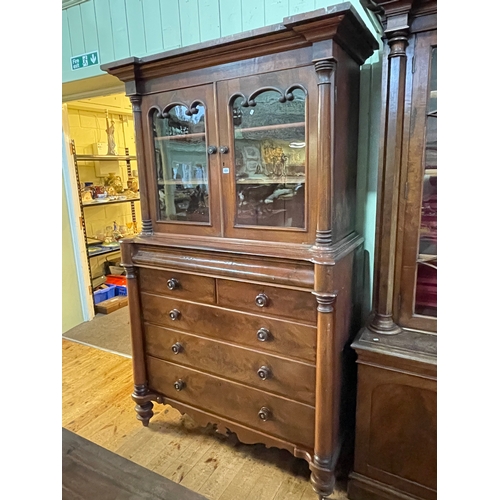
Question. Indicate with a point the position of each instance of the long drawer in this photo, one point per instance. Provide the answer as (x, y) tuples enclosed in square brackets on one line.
[(265, 412), (292, 379), (179, 285), (270, 300), (268, 334)]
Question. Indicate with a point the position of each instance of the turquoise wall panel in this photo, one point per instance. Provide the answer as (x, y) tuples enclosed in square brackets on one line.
[(190, 22), (230, 17), (209, 15), (123, 28), (104, 32), (76, 31), (253, 14), (171, 24), (119, 28), (275, 11), (136, 27), (152, 26), (89, 25)]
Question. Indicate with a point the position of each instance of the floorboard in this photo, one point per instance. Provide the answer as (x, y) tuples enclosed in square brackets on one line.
[(97, 406)]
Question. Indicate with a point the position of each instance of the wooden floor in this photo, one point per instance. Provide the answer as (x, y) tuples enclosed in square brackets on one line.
[(97, 406)]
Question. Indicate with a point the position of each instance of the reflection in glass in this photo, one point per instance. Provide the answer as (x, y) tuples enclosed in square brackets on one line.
[(270, 159), (181, 164), (426, 289)]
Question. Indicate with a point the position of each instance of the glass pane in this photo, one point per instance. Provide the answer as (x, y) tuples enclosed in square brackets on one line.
[(426, 290), (181, 164), (270, 159)]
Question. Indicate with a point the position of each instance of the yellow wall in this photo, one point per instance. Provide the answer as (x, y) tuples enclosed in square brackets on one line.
[(72, 313), (87, 126)]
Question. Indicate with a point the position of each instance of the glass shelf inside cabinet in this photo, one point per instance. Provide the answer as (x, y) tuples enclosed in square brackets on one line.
[(270, 158), (426, 287), (181, 164)]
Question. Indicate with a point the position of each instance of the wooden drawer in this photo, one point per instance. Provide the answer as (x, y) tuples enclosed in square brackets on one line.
[(292, 379), (175, 284), (281, 337), (286, 419), (274, 301)]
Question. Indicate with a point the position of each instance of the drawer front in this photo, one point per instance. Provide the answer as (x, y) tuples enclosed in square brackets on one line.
[(267, 334), (175, 284), (275, 301), (265, 412), (292, 379)]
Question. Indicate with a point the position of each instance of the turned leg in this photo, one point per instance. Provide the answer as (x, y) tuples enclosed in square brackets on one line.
[(144, 406)]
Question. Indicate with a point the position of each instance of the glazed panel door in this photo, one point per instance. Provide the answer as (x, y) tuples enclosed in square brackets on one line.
[(268, 134), (418, 307), (180, 129)]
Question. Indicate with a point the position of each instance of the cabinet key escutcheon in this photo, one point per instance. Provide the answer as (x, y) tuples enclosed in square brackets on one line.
[(174, 314), (211, 150), (263, 334), (264, 413), (262, 300), (179, 385), (172, 284), (177, 348), (264, 372)]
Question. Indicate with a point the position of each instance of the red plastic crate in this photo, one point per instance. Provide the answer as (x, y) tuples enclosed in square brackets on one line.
[(114, 279)]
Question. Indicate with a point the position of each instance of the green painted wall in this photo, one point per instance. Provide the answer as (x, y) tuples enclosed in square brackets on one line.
[(123, 28)]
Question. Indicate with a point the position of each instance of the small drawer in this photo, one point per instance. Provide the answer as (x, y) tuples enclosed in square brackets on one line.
[(292, 379), (268, 413), (175, 284), (282, 337), (271, 300)]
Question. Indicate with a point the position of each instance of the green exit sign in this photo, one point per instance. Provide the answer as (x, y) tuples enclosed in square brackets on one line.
[(85, 60)]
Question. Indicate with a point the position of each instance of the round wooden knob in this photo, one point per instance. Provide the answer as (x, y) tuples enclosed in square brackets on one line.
[(212, 150), (264, 372), (179, 385), (264, 413), (174, 314), (262, 300), (263, 334), (177, 348), (224, 150), (172, 284)]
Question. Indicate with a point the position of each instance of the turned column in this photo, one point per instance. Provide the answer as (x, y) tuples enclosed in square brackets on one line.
[(394, 83), (325, 440), (141, 396), (147, 226)]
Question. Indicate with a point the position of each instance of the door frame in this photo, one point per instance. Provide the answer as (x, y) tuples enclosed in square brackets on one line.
[(77, 236)]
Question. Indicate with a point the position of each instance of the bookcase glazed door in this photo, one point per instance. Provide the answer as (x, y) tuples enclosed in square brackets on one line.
[(180, 142), (267, 145), (419, 270)]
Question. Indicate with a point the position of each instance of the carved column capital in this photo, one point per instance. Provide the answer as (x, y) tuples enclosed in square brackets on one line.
[(324, 68), (325, 302), (129, 271), (136, 101), (397, 41)]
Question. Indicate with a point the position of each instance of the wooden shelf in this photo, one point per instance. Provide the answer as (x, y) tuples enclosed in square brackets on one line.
[(96, 203), (180, 137), (271, 127), (431, 171), (102, 250), (270, 180), (104, 158)]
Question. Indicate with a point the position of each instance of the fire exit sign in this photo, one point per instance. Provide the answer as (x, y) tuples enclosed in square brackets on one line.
[(85, 60)]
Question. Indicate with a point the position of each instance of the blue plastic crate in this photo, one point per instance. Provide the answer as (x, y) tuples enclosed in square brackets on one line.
[(121, 290), (105, 294)]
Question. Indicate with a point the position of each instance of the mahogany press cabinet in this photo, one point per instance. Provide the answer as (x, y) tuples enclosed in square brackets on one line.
[(396, 412), (241, 284)]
